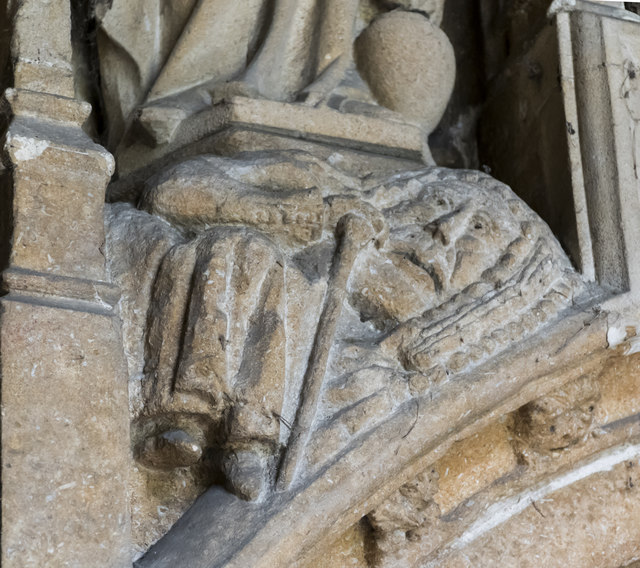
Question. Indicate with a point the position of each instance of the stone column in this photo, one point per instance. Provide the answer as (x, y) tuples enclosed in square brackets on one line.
[(65, 433)]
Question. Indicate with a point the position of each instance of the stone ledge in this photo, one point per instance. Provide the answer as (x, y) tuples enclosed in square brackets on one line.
[(321, 124), (46, 106), (379, 136), (32, 283), (29, 137)]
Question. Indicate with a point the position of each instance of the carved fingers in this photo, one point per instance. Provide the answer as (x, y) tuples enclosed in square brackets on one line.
[(365, 221)]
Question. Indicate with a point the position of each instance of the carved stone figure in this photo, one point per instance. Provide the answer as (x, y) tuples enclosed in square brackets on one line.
[(281, 302), (263, 329), (193, 53), (450, 269)]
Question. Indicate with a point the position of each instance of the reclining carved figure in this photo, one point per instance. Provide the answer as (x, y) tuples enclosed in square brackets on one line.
[(453, 268), (276, 305)]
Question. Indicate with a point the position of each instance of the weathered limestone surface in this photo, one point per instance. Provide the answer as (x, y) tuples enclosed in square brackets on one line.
[(65, 432), (41, 61), (261, 327), (62, 438)]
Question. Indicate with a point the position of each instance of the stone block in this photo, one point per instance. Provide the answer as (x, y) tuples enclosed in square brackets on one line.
[(64, 427), (58, 177), (473, 464), (42, 61), (619, 386)]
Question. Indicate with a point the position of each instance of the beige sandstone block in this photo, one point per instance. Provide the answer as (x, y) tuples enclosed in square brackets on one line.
[(473, 464), (593, 522), (64, 425), (619, 390), (43, 60), (349, 551), (59, 175), (36, 105)]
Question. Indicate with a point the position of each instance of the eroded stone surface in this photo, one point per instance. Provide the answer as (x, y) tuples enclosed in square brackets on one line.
[(410, 531), (565, 520), (61, 439), (206, 299), (357, 357)]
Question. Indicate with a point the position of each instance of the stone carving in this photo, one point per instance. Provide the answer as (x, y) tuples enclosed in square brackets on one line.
[(194, 53), (561, 419), (440, 270), (406, 515), (281, 302), (336, 352)]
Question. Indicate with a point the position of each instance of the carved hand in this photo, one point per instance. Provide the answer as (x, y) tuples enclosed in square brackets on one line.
[(337, 206)]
